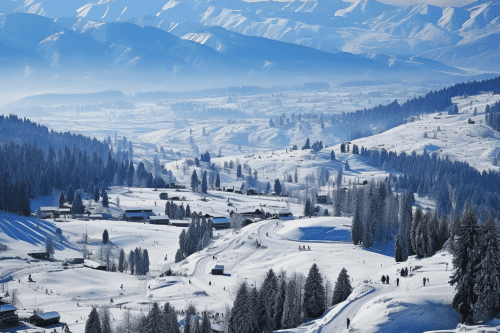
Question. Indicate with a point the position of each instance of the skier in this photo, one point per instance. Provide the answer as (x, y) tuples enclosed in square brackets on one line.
[(387, 279), (348, 323), (397, 282), (383, 279), (424, 281)]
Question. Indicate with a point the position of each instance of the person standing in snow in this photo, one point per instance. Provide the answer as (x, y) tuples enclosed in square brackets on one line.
[(387, 279), (383, 279), (348, 322), (424, 281), (397, 282)]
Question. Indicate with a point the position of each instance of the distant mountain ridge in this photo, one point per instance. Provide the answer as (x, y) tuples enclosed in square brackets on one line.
[(365, 26)]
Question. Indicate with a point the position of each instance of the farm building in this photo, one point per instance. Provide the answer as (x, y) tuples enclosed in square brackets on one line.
[(8, 316), (74, 261), (137, 214), (45, 319), (180, 223), (218, 270), (285, 215), (159, 219), (163, 196), (94, 265), (221, 223), (47, 212), (41, 255)]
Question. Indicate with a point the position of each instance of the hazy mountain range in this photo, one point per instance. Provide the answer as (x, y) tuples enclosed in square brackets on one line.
[(208, 36)]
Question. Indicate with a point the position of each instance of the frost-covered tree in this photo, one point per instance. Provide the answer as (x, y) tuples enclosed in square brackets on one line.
[(205, 326), (49, 245), (96, 194), (217, 181), (357, 225), (170, 316), (239, 173), (105, 237), (279, 305), (487, 283), (465, 262), (194, 181), (121, 261), (267, 295), (178, 256), (277, 187), (204, 183), (342, 288), (314, 293), (154, 321), (291, 308), (93, 324), (242, 319), (105, 199), (405, 217), (106, 321)]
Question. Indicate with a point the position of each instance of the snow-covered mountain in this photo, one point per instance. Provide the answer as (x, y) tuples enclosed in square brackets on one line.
[(365, 26), (111, 48)]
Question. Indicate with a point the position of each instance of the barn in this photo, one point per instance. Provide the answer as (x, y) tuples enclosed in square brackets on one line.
[(218, 270), (159, 219), (45, 319)]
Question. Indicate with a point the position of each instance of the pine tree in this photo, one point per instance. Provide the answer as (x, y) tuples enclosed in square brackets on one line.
[(487, 284), (279, 304), (291, 312), (171, 322), (465, 262), (342, 288), (242, 318), (417, 219), (96, 194), (307, 208), (105, 237), (277, 187), (206, 327), (314, 294), (77, 206), (131, 262), (93, 324), (405, 217), (61, 199), (194, 181), (239, 173), (145, 262), (217, 181), (204, 184), (398, 251), (105, 199), (178, 256), (154, 321), (121, 261), (357, 225), (106, 321)]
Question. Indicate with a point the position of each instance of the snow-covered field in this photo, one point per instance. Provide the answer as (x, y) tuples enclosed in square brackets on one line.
[(373, 307)]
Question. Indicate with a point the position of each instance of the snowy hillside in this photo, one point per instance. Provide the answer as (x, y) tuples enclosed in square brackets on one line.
[(448, 135)]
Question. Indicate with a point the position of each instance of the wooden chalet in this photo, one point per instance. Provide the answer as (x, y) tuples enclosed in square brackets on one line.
[(8, 316), (218, 270), (45, 319), (94, 265), (41, 255), (159, 219)]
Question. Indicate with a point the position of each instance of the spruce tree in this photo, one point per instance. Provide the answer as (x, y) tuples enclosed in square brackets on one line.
[(93, 324), (465, 262), (145, 262), (61, 199), (487, 287), (206, 327), (204, 184), (106, 321), (242, 318), (357, 225), (170, 316), (96, 194), (105, 237), (105, 199), (277, 187), (131, 262), (291, 312), (217, 181), (279, 304), (154, 321), (314, 294), (194, 181), (398, 251), (239, 173), (342, 288), (307, 208), (77, 206), (121, 261)]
